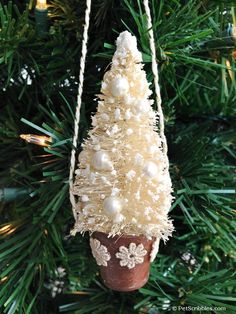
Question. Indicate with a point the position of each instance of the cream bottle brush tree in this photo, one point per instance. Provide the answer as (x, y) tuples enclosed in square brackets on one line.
[(123, 183)]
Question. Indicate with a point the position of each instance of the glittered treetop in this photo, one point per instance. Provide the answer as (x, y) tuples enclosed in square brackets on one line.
[(123, 183)]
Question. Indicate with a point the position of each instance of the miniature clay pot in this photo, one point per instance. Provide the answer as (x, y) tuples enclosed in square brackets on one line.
[(124, 260)]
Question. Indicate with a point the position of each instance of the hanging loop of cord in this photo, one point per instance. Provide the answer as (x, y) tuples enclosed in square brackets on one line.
[(79, 100)]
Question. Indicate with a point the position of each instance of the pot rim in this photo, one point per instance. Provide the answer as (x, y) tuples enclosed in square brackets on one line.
[(127, 236)]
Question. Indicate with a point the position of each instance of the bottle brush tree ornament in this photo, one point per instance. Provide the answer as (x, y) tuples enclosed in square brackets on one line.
[(123, 183)]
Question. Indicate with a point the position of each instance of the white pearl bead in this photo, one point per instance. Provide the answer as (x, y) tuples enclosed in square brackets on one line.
[(112, 206), (119, 86), (101, 161), (150, 169)]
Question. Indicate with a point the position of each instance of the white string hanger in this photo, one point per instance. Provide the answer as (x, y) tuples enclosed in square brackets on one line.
[(155, 247), (79, 101), (156, 80)]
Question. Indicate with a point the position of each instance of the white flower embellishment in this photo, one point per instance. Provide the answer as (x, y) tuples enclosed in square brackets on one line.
[(132, 255), (99, 252)]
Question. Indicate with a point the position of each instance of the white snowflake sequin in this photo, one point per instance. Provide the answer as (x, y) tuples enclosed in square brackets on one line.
[(132, 255), (99, 251)]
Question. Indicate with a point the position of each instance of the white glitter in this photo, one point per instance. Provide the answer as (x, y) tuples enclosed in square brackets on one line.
[(128, 99), (94, 121), (137, 195), (117, 114), (92, 177), (97, 147), (115, 129), (105, 180), (142, 106), (138, 159), (77, 172), (118, 218), (104, 117), (104, 85), (154, 196), (91, 221), (129, 132), (148, 137), (84, 198), (153, 149), (128, 114), (114, 191), (94, 139), (148, 210), (130, 175)]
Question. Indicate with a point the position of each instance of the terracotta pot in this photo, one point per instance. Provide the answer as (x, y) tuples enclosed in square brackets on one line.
[(125, 261)]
